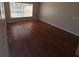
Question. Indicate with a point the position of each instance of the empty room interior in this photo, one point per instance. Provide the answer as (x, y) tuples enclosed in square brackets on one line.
[(39, 29)]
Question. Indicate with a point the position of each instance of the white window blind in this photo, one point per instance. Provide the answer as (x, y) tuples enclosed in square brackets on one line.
[(21, 10), (2, 11)]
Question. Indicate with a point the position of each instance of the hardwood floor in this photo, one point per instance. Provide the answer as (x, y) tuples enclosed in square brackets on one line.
[(36, 38)]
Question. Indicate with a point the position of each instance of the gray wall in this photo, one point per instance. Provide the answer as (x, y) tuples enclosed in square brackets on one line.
[(62, 15), (9, 19)]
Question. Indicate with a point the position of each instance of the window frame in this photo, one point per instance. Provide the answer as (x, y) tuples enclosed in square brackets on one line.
[(22, 16)]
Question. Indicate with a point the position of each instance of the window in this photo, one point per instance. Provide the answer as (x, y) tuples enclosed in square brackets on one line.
[(21, 10), (2, 11)]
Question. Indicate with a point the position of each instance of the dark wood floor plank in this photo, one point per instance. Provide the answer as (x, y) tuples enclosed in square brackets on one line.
[(36, 38)]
